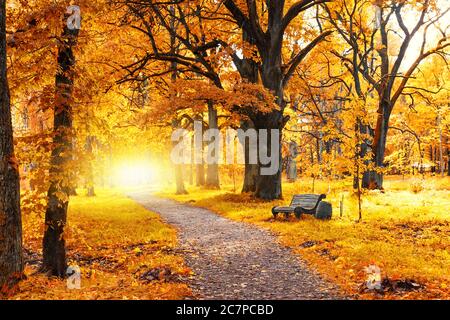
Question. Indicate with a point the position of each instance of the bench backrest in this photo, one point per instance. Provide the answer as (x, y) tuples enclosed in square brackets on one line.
[(307, 201)]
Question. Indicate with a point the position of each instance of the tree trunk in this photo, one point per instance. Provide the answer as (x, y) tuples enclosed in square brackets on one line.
[(268, 187), (448, 162), (199, 174), (373, 179), (90, 171), (212, 171), (250, 177), (180, 189), (248, 69), (54, 251), (179, 179), (111, 182), (251, 171), (11, 262), (441, 148), (191, 165), (364, 129)]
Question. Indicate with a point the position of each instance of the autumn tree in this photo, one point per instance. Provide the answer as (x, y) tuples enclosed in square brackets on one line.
[(11, 263), (54, 250), (265, 30), (379, 57)]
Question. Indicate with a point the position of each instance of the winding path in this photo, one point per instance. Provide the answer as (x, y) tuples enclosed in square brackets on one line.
[(233, 260)]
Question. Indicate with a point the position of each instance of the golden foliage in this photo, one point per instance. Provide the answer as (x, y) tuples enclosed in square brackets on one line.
[(405, 234), (123, 250)]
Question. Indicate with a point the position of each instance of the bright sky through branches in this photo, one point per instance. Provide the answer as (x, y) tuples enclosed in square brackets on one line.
[(433, 34)]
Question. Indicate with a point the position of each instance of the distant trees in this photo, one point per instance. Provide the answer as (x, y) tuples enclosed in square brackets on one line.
[(177, 34), (264, 49), (377, 56), (11, 262)]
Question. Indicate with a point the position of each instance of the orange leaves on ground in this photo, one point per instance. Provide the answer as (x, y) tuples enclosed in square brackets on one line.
[(406, 234), (123, 252)]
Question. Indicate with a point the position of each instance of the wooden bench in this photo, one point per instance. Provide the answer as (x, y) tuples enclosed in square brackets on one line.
[(300, 204)]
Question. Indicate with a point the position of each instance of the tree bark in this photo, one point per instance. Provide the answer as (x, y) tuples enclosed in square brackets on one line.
[(441, 147), (54, 251), (179, 167), (212, 171), (268, 187), (251, 171), (90, 171), (373, 179), (199, 174), (11, 262), (179, 179), (448, 164)]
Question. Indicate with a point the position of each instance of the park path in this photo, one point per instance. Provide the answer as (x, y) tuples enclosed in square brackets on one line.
[(233, 260)]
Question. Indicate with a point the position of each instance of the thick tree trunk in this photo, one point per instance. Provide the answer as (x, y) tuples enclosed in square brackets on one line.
[(251, 171), (248, 69), (54, 251), (212, 171), (268, 186), (11, 263), (373, 179)]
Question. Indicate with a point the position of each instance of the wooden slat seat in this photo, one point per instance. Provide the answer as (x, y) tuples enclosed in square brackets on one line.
[(300, 203)]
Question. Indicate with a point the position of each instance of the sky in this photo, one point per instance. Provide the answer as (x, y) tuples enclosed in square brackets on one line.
[(433, 35)]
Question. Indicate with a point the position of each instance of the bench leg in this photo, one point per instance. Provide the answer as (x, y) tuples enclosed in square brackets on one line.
[(298, 213), (286, 215), (275, 215)]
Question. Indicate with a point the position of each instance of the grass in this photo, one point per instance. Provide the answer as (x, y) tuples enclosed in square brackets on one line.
[(119, 246), (405, 231)]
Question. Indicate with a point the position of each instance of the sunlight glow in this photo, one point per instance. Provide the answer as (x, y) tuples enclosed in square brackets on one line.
[(135, 173)]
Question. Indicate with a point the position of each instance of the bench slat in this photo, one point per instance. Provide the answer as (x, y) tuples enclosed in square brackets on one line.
[(306, 195), (305, 206), (305, 200), (303, 203)]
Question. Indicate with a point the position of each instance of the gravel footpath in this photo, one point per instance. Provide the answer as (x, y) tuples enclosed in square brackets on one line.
[(233, 260)]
